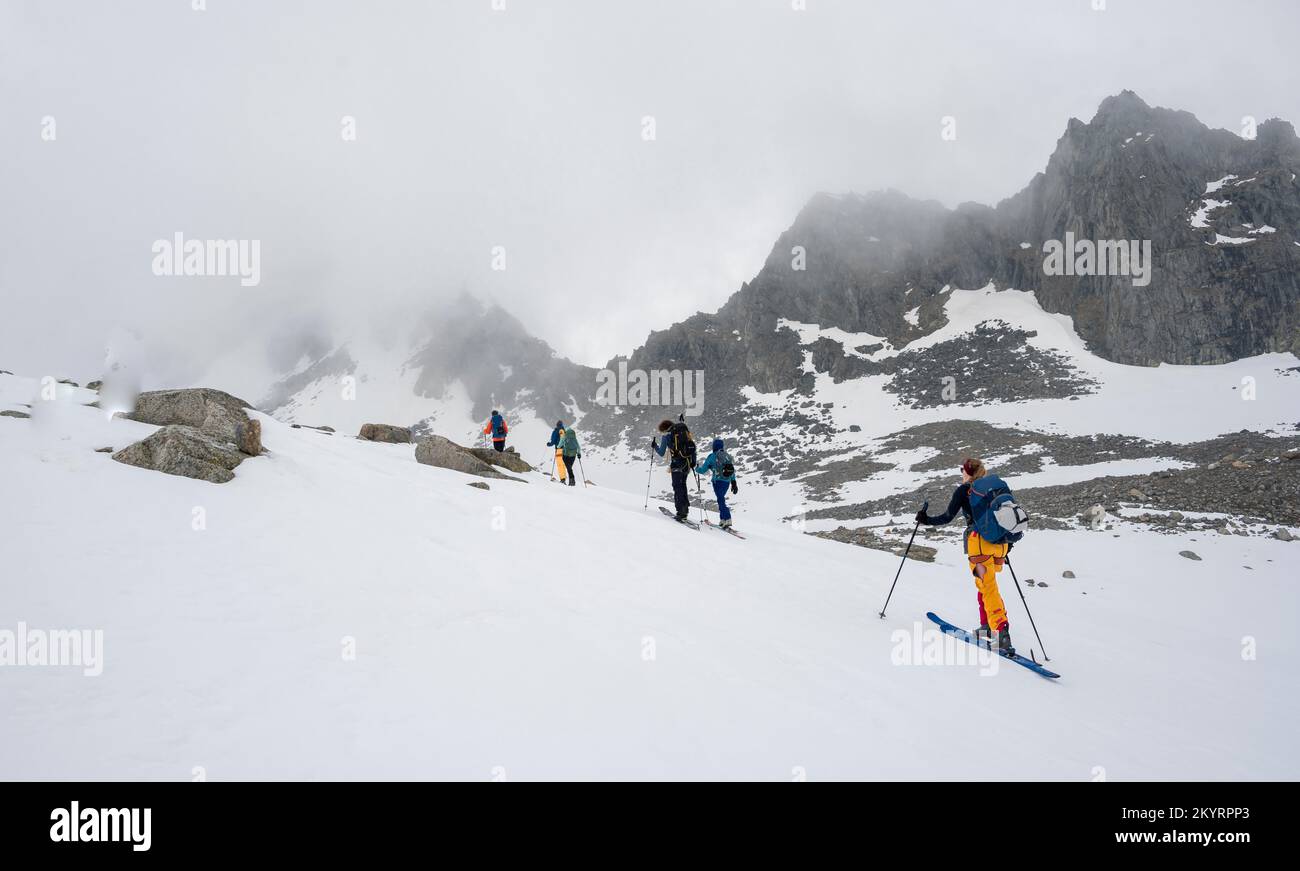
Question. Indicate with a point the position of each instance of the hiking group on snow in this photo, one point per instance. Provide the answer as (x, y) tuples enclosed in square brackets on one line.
[(994, 522)]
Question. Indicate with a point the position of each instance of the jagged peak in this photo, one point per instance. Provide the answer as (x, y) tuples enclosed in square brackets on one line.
[(1277, 135), (1124, 103)]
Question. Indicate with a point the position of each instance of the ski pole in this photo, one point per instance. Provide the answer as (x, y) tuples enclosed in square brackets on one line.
[(552, 466), (902, 563), (648, 475), (1027, 611), (584, 471), (699, 494)]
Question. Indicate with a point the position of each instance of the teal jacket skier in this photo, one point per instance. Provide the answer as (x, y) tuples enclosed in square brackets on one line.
[(719, 462)]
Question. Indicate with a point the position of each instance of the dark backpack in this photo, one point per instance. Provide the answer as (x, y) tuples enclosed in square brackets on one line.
[(994, 513), (726, 468), (498, 426), (681, 445)]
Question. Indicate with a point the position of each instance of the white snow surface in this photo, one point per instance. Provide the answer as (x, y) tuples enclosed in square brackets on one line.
[(1200, 219), (490, 641), (1212, 186)]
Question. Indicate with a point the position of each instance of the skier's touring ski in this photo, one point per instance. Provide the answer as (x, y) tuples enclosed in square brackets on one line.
[(729, 529), (957, 632), (683, 521)]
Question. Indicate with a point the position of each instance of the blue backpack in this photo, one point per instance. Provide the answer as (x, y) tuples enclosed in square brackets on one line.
[(995, 514), (498, 426)]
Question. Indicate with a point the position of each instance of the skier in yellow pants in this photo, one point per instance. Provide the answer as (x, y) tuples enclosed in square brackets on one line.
[(985, 559), (557, 441)]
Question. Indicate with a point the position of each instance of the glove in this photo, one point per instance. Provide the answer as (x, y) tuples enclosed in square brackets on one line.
[(920, 516), (735, 488), (652, 443)]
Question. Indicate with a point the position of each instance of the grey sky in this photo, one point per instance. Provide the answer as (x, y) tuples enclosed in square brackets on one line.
[(522, 128)]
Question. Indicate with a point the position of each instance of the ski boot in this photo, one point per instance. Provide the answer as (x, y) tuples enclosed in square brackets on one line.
[(983, 635), (725, 524), (1004, 642)]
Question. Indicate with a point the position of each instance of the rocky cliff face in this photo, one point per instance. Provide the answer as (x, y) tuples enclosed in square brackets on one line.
[(1223, 217), (1222, 214)]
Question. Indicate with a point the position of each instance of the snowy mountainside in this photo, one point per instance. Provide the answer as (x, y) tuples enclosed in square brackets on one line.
[(445, 373), (884, 427), (491, 641)]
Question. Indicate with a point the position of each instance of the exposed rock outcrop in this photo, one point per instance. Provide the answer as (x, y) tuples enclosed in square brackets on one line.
[(212, 412), (186, 451), (248, 437), (507, 459), (385, 432), (864, 537), (443, 452)]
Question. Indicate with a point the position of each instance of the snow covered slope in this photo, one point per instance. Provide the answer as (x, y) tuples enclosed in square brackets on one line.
[(532, 631), (854, 420), (1166, 402)]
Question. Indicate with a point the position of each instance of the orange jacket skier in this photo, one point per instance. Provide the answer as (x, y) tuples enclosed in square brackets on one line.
[(985, 558), (496, 425)]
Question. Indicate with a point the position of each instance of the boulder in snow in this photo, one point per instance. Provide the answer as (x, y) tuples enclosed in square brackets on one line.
[(507, 459), (443, 452), (1067, 574), (186, 451), (1283, 534), (1189, 554), (385, 432), (212, 412), (248, 437)]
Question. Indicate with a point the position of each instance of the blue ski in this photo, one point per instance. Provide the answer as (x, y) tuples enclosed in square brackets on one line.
[(958, 632)]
